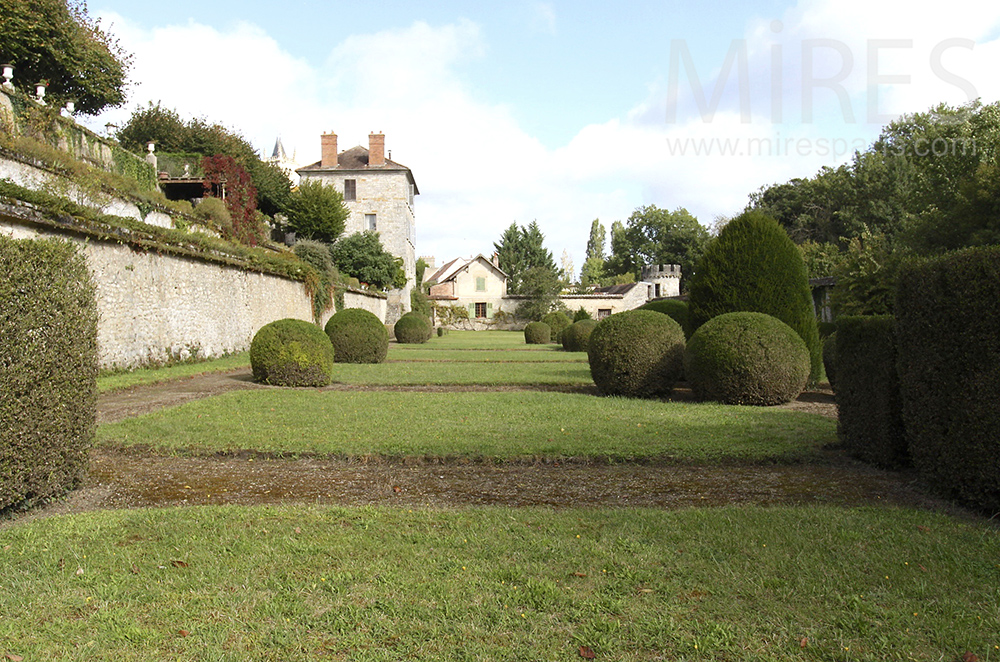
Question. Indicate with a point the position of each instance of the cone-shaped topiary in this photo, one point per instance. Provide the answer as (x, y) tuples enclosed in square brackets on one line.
[(830, 359), (576, 336), (753, 266), (675, 308), (412, 328), (291, 352), (358, 336), (746, 359), (557, 321), (537, 333), (637, 354)]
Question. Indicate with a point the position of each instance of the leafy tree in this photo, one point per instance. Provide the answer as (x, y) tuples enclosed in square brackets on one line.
[(541, 285), (595, 244), (317, 212), (521, 249), (592, 270), (362, 256), (657, 236), (223, 173), (821, 260), (56, 41), (418, 298), (867, 275)]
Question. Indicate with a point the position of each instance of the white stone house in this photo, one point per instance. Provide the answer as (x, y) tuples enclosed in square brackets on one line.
[(474, 284), (379, 194)]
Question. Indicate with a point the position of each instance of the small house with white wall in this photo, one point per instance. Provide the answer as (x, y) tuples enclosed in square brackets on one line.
[(476, 284)]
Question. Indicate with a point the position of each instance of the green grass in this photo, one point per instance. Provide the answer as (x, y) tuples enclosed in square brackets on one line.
[(504, 425), (307, 582), (117, 381), (425, 353), (486, 340), (456, 372)]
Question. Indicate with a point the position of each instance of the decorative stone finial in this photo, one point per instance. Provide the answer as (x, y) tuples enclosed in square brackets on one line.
[(8, 74)]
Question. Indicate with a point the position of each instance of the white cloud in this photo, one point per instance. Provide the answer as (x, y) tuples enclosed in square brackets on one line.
[(543, 18)]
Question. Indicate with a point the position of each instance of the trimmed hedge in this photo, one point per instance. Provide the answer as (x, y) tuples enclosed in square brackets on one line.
[(830, 359), (870, 420), (48, 369), (291, 352), (636, 354), (576, 336), (753, 266), (948, 330), (537, 333), (558, 321), (675, 308), (746, 358), (358, 336), (412, 328)]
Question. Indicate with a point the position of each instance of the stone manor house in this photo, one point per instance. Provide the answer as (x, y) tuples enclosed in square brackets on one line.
[(379, 194)]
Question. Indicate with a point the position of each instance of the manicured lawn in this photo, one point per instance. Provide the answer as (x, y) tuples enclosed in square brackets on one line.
[(121, 380), (456, 372), (424, 353), (306, 582), (504, 425)]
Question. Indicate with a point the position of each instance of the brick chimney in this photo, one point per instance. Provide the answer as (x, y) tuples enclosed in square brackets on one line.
[(376, 149), (328, 142)]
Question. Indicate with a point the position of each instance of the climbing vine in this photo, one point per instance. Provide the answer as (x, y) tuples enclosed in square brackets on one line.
[(227, 179)]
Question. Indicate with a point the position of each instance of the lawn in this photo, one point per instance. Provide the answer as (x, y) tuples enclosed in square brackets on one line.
[(504, 426), (308, 582)]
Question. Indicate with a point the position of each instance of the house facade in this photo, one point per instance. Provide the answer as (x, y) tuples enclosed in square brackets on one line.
[(379, 194), (476, 285)]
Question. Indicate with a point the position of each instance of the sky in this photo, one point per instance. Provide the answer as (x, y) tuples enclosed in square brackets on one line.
[(560, 112)]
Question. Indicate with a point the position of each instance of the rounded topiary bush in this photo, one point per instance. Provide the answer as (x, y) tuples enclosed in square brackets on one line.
[(576, 336), (675, 308), (637, 354), (558, 322), (754, 266), (537, 333), (746, 359), (412, 328), (582, 314), (830, 359), (291, 352), (358, 336)]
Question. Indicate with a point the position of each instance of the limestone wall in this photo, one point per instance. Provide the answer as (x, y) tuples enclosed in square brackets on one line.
[(370, 301)]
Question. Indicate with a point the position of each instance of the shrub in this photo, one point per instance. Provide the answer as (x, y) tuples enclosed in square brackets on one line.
[(948, 330), (358, 336), (291, 352), (870, 414), (412, 328), (576, 336), (746, 358), (636, 354), (215, 213), (557, 321), (442, 331), (581, 314), (675, 308), (830, 359), (318, 255), (753, 266), (48, 369), (537, 333)]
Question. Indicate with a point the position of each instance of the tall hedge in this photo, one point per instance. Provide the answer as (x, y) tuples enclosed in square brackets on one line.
[(636, 354), (871, 418), (48, 369), (558, 322), (675, 308), (948, 329), (753, 266)]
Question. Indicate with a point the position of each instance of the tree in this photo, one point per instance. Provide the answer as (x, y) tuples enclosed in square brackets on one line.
[(56, 41), (362, 256), (317, 212), (222, 173), (592, 270), (521, 249), (657, 236), (595, 243), (541, 285)]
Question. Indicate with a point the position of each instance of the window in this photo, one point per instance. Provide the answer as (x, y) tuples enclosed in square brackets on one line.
[(480, 310), (603, 312), (350, 190), (480, 284), (370, 221), (657, 290)]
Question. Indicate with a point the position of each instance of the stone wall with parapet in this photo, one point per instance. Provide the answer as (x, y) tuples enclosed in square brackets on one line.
[(373, 302)]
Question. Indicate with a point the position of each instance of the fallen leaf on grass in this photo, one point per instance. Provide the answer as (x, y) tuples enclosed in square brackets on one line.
[(135, 569), (922, 567), (397, 488), (968, 656), (13, 658), (179, 564), (183, 633), (79, 571), (587, 653), (923, 529), (804, 642), (579, 574), (298, 529)]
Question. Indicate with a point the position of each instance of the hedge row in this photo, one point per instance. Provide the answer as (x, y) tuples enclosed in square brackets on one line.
[(870, 420), (948, 329), (48, 369)]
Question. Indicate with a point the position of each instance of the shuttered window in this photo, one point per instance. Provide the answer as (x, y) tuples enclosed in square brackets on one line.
[(350, 190)]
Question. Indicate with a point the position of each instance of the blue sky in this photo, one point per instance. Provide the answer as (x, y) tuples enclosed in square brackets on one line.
[(555, 111)]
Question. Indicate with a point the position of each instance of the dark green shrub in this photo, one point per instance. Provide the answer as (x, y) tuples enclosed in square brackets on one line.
[(412, 328), (318, 255), (442, 331), (830, 359), (948, 330), (636, 354), (870, 413), (746, 359), (675, 308), (537, 333), (557, 321), (576, 336), (291, 352), (826, 329), (581, 314), (753, 266), (358, 336), (48, 369)]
